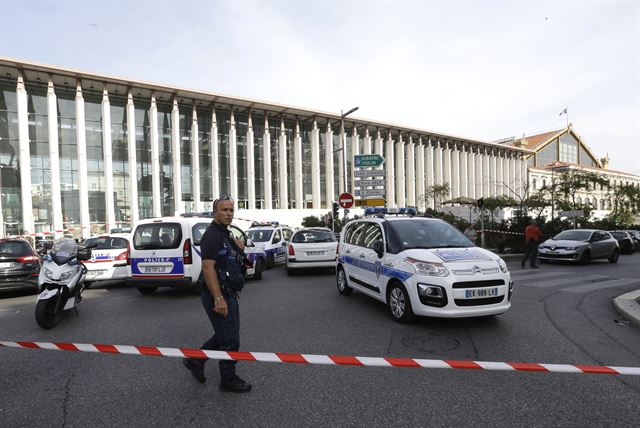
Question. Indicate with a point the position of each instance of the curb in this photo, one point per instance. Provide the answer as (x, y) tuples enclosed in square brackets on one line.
[(628, 305)]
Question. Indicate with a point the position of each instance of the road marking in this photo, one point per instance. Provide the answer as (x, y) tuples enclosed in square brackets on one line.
[(601, 285)]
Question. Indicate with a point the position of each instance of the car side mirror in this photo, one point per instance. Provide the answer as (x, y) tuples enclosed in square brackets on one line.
[(378, 248), (84, 254)]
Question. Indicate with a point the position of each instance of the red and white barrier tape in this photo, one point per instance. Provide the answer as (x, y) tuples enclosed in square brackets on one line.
[(504, 232), (325, 359)]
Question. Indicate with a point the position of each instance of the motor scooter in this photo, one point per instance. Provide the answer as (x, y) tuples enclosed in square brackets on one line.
[(61, 280)]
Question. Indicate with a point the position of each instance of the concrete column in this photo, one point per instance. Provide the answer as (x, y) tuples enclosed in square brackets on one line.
[(266, 165), (378, 143), (464, 170), (215, 163), (437, 161), (24, 155), (83, 175), (133, 171), (390, 171), (328, 165), (355, 150), (54, 160), (178, 207), (411, 173), (446, 168), (366, 147), (493, 173), (479, 174), (524, 173), (507, 175), (195, 160), (420, 179), (282, 165), (455, 171), (500, 173), (514, 178), (400, 174), (156, 169), (297, 168), (315, 166), (233, 161), (471, 173), (486, 176), (430, 171), (518, 175), (251, 164)]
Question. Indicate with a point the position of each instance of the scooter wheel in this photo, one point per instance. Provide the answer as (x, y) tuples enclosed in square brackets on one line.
[(45, 315)]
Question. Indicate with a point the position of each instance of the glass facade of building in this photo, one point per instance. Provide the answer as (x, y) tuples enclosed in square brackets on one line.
[(10, 187), (120, 157), (39, 156), (95, 160), (144, 172), (166, 158)]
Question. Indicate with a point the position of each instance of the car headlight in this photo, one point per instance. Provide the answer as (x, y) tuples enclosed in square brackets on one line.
[(48, 274), (503, 266), (427, 268), (66, 275)]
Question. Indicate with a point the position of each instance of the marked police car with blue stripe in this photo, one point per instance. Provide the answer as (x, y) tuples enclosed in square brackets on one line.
[(273, 238), (420, 266), (166, 252)]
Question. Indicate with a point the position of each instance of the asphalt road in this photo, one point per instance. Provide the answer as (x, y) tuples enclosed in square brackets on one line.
[(560, 314)]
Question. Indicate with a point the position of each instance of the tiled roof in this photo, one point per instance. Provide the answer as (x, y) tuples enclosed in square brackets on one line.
[(534, 141)]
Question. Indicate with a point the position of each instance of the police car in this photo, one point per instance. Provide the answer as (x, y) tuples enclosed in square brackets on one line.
[(420, 266), (272, 238), (166, 252), (108, 258)]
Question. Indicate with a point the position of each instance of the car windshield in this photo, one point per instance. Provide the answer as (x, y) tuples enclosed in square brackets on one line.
[(107, 243), (260, 235), (14, 248), (313, 236), (418, 233), (573, 235), (619, 235)]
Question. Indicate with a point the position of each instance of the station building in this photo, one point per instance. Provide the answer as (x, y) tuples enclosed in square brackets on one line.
[(89, 153)]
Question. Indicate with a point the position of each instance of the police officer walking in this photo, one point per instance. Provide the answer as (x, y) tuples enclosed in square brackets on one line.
[(223, 274)]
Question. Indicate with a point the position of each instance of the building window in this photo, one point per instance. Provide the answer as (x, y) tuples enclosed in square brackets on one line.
[(166, 159), (10, 189), (548, 154), (143, 158), (95, 161), (568, 149)]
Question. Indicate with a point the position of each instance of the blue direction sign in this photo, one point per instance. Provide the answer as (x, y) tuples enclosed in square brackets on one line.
[(367, 160)]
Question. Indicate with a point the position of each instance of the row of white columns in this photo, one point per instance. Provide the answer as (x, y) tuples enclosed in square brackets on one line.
[(476, 173)]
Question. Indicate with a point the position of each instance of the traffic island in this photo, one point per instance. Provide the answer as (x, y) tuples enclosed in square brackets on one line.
[(628, 305)]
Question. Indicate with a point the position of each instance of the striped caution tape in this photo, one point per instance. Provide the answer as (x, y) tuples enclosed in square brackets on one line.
[(504, 232), (325, 359)]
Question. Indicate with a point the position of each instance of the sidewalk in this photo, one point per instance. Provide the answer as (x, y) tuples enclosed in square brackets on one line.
[(628, 305)]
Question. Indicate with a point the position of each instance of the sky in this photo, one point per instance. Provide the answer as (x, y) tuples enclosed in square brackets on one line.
[(484, 70)]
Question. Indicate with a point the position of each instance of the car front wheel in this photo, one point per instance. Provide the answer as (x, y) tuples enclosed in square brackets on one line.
[(343, 287), (399, 303)]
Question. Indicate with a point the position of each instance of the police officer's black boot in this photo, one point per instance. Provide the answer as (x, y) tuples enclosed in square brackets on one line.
[(234, 384), (196, 367)]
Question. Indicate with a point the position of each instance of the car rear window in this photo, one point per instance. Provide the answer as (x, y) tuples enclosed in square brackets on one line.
[(157, 236), (620, 235), (313, 236), (107, 243), (14, 248)]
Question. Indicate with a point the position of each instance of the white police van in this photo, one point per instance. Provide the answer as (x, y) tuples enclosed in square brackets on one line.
[(273, 238), (166, 252), (420, 266)]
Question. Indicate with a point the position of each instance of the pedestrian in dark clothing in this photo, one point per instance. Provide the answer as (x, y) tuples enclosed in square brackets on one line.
[(223, 275), (532, 235)]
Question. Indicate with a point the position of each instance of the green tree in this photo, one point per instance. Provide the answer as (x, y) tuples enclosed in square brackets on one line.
[(438, 192), (626, 203), (313, 221)]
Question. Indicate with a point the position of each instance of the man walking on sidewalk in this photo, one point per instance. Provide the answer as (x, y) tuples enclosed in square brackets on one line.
[(532, 236)]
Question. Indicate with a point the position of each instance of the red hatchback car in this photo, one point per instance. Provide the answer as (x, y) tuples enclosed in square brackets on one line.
[(19, 265)]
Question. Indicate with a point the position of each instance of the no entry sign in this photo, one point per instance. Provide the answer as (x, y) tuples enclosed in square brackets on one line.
[(345, 200)]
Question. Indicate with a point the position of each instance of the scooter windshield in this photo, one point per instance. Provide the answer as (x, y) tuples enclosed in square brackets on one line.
[(64, 250)]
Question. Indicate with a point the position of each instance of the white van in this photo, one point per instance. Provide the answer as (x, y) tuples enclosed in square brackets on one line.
[(166, 252)]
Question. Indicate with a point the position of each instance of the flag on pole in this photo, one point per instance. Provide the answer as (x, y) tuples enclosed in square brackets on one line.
[(563, 112)]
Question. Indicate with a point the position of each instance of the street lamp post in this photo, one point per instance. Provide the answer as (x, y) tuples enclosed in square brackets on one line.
[(344, 147)]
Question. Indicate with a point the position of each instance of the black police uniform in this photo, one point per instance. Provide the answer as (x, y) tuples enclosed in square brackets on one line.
[(217, 244)]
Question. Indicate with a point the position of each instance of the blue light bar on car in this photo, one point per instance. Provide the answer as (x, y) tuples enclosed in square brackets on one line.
[(384, 211)]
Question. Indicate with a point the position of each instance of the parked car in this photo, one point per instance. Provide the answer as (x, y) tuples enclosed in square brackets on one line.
[(108, 258), (581, 246), (625, 241), (635, 235), (19, 265), (420, 266), (315, 247), (272, 238)]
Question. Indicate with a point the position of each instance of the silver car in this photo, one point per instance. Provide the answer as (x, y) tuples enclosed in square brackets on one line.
[(580, 245)]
